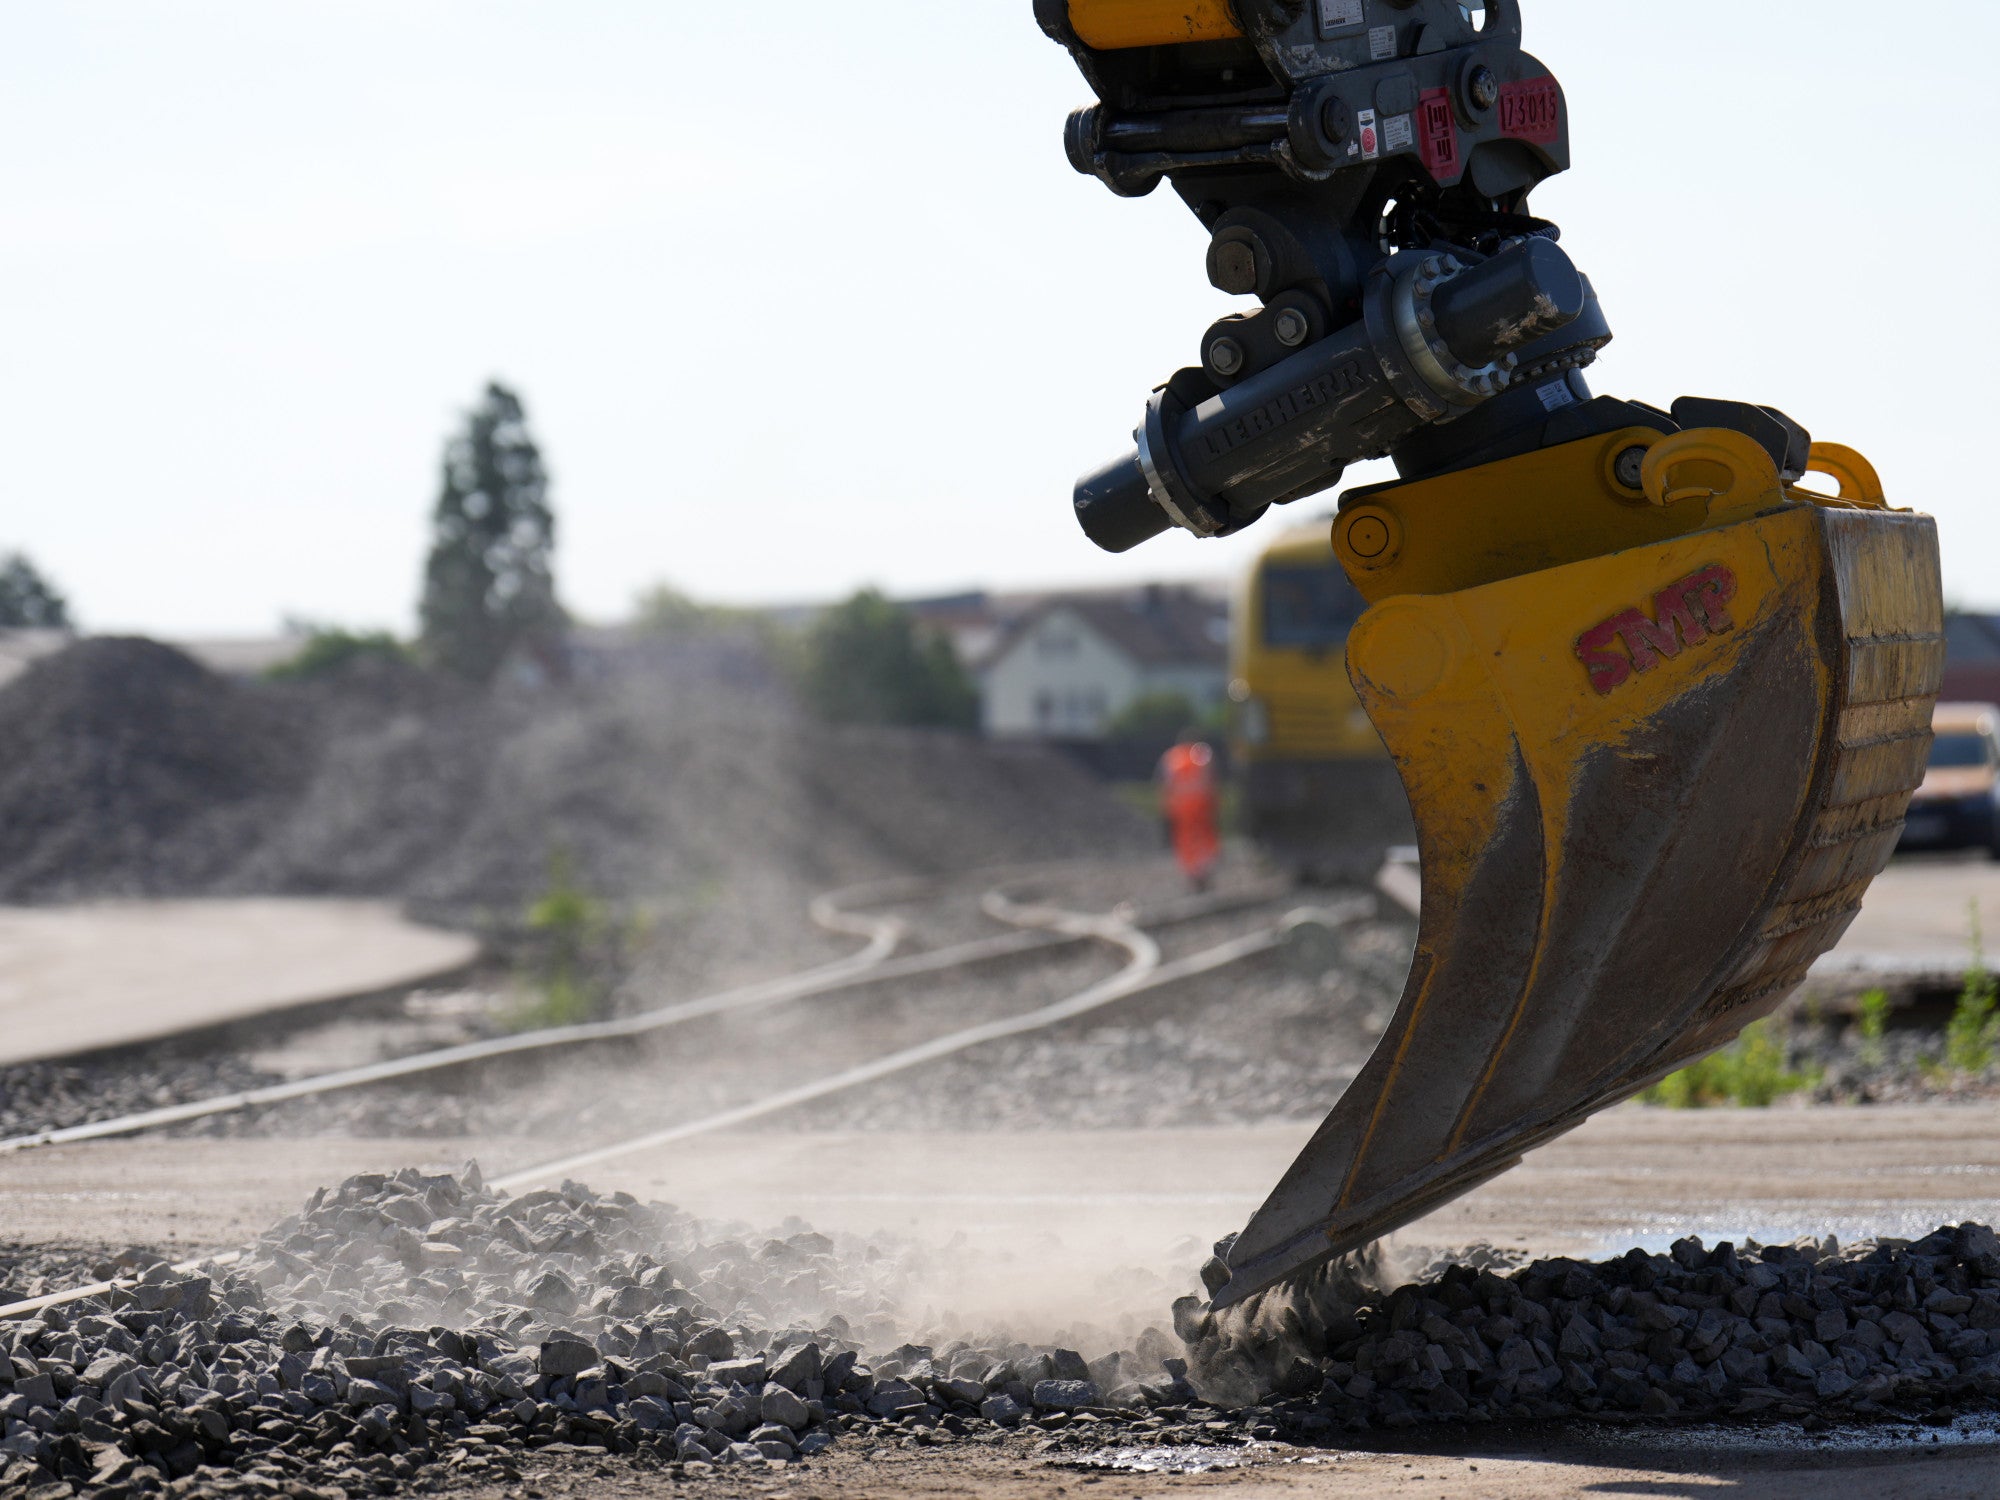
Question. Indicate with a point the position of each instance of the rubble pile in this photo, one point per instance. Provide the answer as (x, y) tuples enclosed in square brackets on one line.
[(1798, 1330), (410, 1323), (406, 1330), (124, 765), (128, 769)]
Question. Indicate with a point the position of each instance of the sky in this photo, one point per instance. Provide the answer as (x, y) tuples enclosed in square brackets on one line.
[(803, 297)]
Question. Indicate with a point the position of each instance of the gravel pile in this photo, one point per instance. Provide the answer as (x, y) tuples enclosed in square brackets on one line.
[(125, 765), (1805, 1329), (128, 769), (37, 1270), (410, 1327), (49, 1095)]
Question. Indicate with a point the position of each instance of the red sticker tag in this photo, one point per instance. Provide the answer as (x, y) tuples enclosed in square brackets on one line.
[(1531, 110), (1439, 134)]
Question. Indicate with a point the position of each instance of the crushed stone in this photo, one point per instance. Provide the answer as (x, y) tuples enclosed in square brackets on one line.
[(1722, 1331), (686, 774), (409, 1329)]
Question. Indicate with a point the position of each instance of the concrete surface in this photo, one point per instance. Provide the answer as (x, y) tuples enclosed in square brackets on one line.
[(1915, 928), (80, 978), (1630, 1176), (1045, 1219), (1068, 1206)]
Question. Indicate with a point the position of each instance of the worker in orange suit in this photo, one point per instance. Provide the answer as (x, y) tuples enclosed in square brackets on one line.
[(1188, 803)]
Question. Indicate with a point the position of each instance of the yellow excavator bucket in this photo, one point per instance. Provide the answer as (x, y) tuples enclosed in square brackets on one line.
[(1658, 709), (1657, 740)]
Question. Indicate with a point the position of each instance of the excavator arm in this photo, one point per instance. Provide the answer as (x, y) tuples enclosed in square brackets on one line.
[(1658, 705)]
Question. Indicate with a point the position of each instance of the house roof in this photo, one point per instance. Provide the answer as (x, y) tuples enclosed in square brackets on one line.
[(1156, 626)]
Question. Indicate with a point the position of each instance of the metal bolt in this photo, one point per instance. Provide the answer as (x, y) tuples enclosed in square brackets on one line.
[(1629, 468), (1225, 356), (1233, 268), (1291, 327), (1336, 120), (1482, 88)]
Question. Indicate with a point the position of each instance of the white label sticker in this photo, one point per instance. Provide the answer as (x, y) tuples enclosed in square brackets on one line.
[(1339, 15), (1556, 395), (1397, 134), (1371, 140), (1381, 42)]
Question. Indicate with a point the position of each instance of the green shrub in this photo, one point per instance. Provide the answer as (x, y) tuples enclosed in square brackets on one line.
[(1750, 1071), (577, 943), (328, 650), (867, 661)]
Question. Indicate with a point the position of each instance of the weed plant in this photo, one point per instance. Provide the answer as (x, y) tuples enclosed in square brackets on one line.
[(1872, 1021), (1751, 1071), (1970, 1038), (580, 950)]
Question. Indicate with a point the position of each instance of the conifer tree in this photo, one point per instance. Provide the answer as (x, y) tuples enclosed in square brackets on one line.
[(28, 601), (489, 583)]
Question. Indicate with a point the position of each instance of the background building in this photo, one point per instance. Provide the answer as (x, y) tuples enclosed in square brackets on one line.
[(1972, 658), (1068, 666)]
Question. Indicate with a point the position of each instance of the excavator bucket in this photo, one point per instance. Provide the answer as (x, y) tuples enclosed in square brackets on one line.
[(1658, 710), (1657, 738)]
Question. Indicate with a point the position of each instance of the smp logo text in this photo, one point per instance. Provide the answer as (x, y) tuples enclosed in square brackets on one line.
[(1685, 614)]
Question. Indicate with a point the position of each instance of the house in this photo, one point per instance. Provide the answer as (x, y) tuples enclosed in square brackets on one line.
[(972, 622), (1070, 664), (1971, 658)]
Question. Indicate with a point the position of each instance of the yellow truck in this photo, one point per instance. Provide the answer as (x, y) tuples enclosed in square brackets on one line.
[(1317, 792)]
